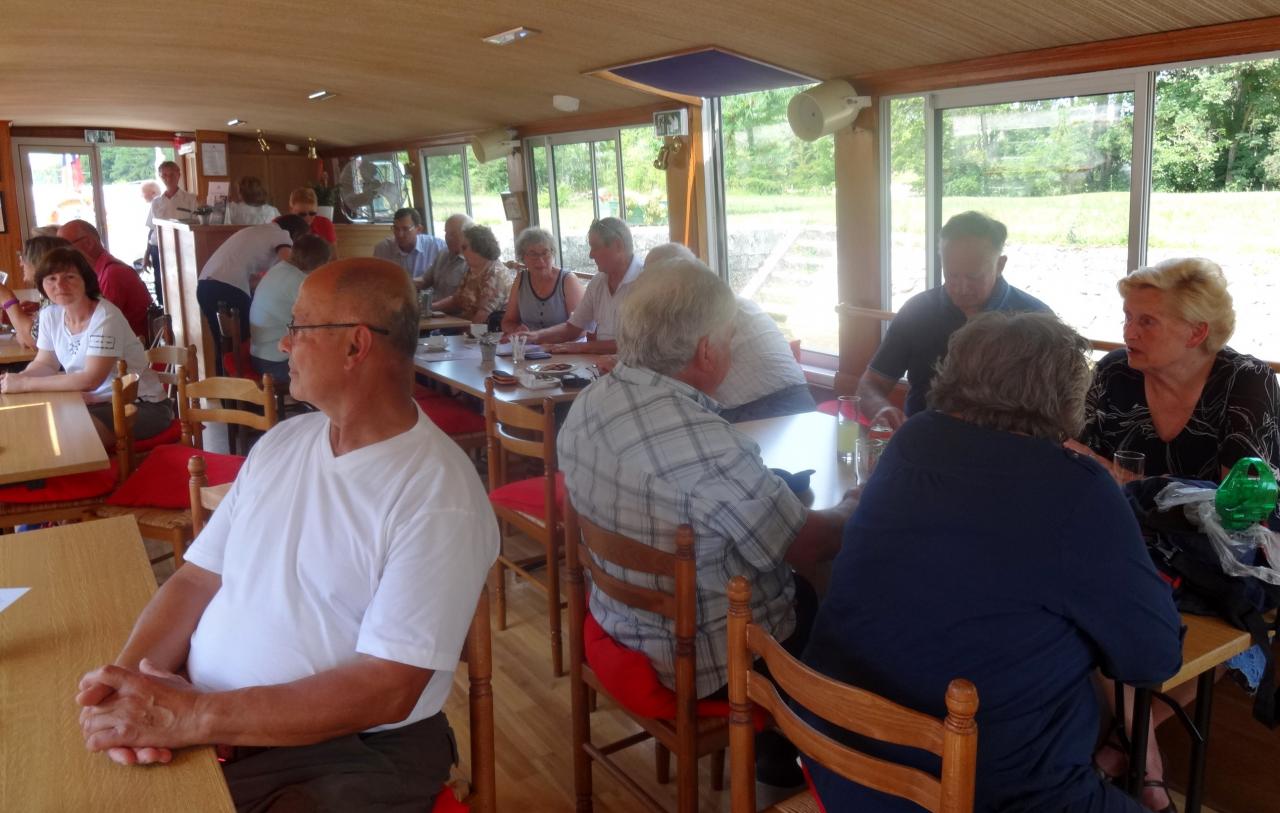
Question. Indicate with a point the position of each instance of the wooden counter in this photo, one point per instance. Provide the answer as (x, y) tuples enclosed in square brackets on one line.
[(88, 582)]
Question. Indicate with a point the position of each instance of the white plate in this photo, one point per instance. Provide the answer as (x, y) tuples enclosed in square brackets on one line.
[(555, 367)]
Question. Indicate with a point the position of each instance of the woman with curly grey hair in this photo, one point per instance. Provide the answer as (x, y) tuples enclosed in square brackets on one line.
[(984, 549)]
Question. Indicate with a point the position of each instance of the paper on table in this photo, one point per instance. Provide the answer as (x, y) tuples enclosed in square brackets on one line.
[(472, 352), (504, 349), (8, 595)]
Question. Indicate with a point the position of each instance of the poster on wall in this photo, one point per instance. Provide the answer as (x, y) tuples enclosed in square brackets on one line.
[(213, 157)]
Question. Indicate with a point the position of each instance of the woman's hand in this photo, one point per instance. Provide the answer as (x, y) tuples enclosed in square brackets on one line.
[(12, 383)]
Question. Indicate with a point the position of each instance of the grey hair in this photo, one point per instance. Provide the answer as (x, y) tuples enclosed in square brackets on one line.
[(613, 230), (534, 236), (666, 252), (1020, 372), (482, 241), (669, 309)]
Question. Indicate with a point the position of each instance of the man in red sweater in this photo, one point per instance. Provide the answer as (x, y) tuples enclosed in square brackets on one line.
[(120, 284)]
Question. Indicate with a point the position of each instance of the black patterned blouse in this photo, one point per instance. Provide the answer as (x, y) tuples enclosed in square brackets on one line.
[(1238, 415)]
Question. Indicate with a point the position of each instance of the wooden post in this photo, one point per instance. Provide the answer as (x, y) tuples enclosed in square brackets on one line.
[(479, 652), (858, 240), (686, 670), (959, 748), (742, 747), (196, 468)]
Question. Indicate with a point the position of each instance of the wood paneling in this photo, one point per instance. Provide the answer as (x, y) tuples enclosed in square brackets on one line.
[(590, 121), (358, 239), (11, 237), (122, 133)]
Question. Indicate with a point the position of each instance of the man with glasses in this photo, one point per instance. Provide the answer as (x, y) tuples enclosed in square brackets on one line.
[(449, 267), (321, 612), (614, 256), (120, 284), (408, 247)]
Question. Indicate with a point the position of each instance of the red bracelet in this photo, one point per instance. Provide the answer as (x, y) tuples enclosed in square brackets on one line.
[(6, 306)]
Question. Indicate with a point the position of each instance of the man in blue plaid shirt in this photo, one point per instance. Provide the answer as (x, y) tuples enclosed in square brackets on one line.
[(643, 451)]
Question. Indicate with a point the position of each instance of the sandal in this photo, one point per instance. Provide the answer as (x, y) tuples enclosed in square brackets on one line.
[(1162, 784), (1115, 742)]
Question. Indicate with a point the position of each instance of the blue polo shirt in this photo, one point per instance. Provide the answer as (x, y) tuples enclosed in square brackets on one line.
[(918, 335)]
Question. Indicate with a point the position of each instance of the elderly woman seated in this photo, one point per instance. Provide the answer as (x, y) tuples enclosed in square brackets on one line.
[(983, 549), (485, 287), (84, 335), (272, 308), (542, 295), (1176, 392), (22, 315)]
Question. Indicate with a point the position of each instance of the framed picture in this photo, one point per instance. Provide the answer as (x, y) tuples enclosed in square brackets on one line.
[(514, 207), (671, 123), (4, 223)]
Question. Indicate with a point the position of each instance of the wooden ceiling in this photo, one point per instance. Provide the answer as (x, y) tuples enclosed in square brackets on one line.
[(406, 70)]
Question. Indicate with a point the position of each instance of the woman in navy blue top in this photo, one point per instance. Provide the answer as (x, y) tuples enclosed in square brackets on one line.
[(982, 549)]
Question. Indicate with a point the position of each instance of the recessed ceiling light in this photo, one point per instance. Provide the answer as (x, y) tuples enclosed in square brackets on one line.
[(320, 95), (514, 35), (235, 122)]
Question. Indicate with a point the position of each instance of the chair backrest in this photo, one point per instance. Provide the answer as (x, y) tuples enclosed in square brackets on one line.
[(124, 394), (586, 544), (159, 327), (177, 361), (519, 430), (954, 739), (197, 481), (193, 416), (229, 323)]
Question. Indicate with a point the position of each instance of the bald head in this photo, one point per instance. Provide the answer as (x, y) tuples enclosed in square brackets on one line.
[(84, 236), (374, 292), (453, 229)]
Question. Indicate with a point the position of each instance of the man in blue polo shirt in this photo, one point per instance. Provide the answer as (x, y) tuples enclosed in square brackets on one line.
[(972, 249)]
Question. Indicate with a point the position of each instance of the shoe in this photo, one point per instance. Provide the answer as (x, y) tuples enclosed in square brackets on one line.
[(1163, 785), (1113, 743)]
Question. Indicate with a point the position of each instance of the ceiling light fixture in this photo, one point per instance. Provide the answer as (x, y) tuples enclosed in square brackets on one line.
[(320, 95), (235, 122), (514, 35)]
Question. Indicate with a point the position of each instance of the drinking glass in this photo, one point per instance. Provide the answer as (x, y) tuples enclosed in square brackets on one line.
[(1128, 466), (848, 408), (517, 347)]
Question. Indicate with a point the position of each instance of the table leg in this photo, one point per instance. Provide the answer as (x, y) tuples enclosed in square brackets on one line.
[(1200, 745), (1138, 740)]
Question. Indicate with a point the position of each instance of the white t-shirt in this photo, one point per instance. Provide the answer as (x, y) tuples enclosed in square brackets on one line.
[(598, 309), (163, 208), (381, 551), (246, 253), (242, 214), (761, 359), (108, 334)]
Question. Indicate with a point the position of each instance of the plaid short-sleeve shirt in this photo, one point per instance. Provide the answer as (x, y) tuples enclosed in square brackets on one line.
[(643, 453)]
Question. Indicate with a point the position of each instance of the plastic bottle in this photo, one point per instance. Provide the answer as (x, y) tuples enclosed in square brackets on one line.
[(1247, 495)]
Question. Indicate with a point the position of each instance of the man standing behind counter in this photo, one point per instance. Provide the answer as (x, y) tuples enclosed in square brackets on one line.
[(972, 248), (320, 646)]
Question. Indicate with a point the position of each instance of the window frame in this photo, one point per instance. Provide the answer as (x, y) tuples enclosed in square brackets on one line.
[(424, 176)]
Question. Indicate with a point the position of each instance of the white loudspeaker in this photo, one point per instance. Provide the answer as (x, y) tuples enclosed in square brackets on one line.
[(493, 144), (824, 109)]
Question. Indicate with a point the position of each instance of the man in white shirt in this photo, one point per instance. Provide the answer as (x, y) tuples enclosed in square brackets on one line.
[(614, 256), (407, 246), (449, 267), (321, 612), (172, 204)]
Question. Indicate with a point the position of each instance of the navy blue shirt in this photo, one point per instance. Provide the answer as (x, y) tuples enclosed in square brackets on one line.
[(1013, 563), (917, 337)]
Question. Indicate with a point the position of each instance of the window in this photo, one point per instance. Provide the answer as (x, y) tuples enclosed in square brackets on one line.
[(1095, 175), (780, 217), (455, 182), (1056, 173), (579, 177), (1214, 179)]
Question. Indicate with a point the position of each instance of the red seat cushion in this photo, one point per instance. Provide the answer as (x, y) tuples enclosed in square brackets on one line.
[(525, 496), (162, 479), (65, 488), (452, 417), (239, 367), (630, 678), (446, 802), (171, 434)]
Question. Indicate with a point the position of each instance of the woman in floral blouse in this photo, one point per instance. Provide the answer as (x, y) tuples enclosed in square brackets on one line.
[(484, 288)]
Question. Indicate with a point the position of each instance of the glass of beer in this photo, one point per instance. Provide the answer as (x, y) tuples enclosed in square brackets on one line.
[(848, 408)]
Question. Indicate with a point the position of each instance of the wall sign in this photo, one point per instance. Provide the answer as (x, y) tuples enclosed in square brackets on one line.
[(99, 136)]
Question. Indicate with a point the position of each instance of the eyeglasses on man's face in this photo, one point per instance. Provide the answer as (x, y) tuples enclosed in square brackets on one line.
[(295, 329)]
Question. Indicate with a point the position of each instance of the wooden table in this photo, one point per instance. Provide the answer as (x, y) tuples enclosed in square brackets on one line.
[(468, 375), (805, 441), (1209, 642), (13, 353), (88, 583), (430, 323), (45, 434)]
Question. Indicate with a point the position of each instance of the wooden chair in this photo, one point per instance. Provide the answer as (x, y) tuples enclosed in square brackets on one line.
[(511, 429), (954, 739), (177, 361), (175, 525), (689, 736), (236, 390), (480, 793)]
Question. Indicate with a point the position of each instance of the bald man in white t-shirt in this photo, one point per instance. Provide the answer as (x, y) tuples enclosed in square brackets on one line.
[(320, 614)]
